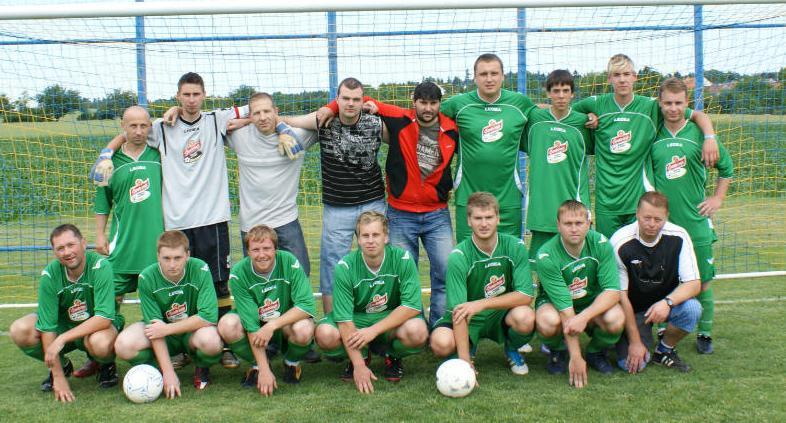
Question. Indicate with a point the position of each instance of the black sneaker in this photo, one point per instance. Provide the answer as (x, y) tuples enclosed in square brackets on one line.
[(250, 378), (312, 356), (558, 362), (48, 383), (704, 344), (201, 377), (107, 375), (670, 360), (599, 362), (292, 373), (394, 369), (348, 375)]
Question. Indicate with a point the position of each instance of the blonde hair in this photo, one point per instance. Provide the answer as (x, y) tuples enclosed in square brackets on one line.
[(482, 200), (368, 217), (172, 239), (260, 233), (619, 62)]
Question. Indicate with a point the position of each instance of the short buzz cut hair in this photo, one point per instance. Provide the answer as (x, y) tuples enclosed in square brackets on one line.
[(488, 57), (260, 233), (572, 206), (674, 86), (190, 78), (482, 200), (172, 239), (560, 77), (655, 199), (427, 91), (60, 230), (618, 62), (351, 84), (261, 96), (371, 216)]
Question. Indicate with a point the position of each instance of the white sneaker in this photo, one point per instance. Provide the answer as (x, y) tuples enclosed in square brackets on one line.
[(525, 349)]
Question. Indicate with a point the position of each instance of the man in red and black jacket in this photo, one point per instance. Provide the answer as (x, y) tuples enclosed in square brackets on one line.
[(422, 143)]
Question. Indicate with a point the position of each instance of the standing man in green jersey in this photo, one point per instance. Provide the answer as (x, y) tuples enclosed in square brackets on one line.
[(489, 290), (626, 127), (273, 302), (558, 146), (75, 310), (491, 124), (133, 195), (579, 291), (678, 173), (179, 313), (377, 306)]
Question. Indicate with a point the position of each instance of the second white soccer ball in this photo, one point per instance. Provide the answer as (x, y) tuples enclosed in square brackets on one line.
[(455, 378), (143, 383)]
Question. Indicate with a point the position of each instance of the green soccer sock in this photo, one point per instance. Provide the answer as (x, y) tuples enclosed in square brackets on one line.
[(36, 351), (516, 339), (336, 353), (202, 359), (602, 340), (104, 360), (555, 343), (399, 350), (145, 356), (295, 352), (707, 301), (242, 348)]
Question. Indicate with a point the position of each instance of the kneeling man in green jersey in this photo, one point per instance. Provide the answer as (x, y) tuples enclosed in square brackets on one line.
[(376, 306)]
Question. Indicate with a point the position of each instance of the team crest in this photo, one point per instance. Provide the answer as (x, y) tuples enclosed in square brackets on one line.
[(269, 310), (676, 168), (496, 286), (140, 191), (493, 131), (621, 143), (177, 312), (578, 288), (378, 303), (193, 151), (78, 312), (557, 152)]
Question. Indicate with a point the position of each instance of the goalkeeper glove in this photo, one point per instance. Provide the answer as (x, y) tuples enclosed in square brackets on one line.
[(102, 168), (288, 142)]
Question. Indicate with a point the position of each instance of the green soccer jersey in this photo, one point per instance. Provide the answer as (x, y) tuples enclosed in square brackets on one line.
[(167, 301), (558, 151), (134, 197), (679, 173), (356, 289), (63, 303), (474, 275), (489, 137), (622, 145), (567, 281), (260, 299)]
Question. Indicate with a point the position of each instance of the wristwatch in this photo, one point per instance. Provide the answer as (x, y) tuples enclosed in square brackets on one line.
[(669, 302)]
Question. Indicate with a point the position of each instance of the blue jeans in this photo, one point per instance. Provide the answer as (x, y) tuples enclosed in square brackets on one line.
[(290, 238), (338, 228), (435, 231)]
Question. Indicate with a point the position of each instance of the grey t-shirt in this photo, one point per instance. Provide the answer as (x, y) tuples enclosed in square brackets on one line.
[(429, 155)]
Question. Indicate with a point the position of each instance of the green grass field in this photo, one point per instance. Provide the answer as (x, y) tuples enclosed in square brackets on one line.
[(744, 380)]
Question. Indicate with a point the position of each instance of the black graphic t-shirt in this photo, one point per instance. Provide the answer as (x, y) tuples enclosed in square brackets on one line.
[(429, 156)]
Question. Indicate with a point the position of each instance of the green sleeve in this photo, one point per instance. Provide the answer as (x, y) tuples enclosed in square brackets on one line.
[(48, 307), (522, 276), (526, 105), (150, 309), (302, 296), (410, 283), (104, 290), (343, 300), (552, 283), (456, 280), (103, 200), (724, 165), (245, 306), (207, 302), (448, 107), (586, 105), (608, 275)]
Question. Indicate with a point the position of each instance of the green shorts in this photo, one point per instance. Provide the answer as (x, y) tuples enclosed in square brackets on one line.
[(486, 326), (509, 223), (125, 283), (79, 344), (178, 344), (277, 339), (706, 262), (538, 239), (543, 299), (608, 224), (364, 320)]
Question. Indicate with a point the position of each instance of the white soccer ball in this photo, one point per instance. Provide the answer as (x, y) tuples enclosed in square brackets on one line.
[(455, 378), (143, 383)]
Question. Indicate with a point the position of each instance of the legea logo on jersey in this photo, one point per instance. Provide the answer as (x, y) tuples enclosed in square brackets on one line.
[(578, 288), (78, 311), (193, 151), (676, 168), (621, 143), (378, 303), (177, 312), (140, 191), (496, 286), (556, 153), (269, 310), (493, 131)]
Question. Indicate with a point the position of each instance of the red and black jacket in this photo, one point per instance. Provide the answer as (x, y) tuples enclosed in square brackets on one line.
[(407, 191)]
